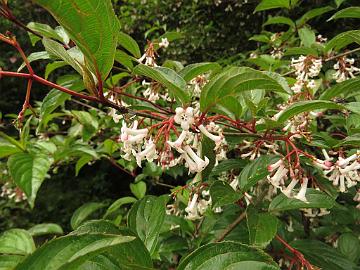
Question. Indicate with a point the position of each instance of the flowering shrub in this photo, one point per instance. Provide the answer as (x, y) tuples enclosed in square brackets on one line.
[(266, 153)]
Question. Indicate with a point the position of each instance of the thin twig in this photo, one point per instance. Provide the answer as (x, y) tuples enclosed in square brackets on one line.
[(231, 227)]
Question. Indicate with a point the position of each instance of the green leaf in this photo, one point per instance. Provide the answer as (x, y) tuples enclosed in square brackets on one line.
[(349, 246), (222, 193), (128, 43), (138, 189), (57, 50), (130, 255), (307, 36), (45, 31), (16, 242), (7, 149), (69, 252), (262, 227), (207, 150), (235, 81), (351, 12), (279, 20), (307, 106), (53, 66), (301, 51), (227, 165), (29, 171), (313, 13), (315, 198), (9, 262), (227, 255), (146, 218), (45, 229), (85, 159), (168, 77), (322, 255), (118, 203), (34, 57), (255, 171), (353, 140), (191, 71), (83, 212), (11, 140), (345, 88), (56, 98), (270, 4), (89, 123), (92, 25), (343, 39)]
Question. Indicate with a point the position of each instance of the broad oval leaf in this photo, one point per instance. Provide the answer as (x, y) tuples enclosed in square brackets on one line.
[(9, 262), (351, 12), (146, 218), (345, 88), (131, 255), (222, 193), (271, 4), (128, 43), (167, 77), (226, 255), (29, 171), (312, 14), (343, 39), (92, 25), (69, 252), (262, 227), (315, 198), (45, 229), (307, 106), (279, 20), (16, 242), (83, 212), (191, 71), (235, 81), (322, 255), (118, 203), (255, 171)]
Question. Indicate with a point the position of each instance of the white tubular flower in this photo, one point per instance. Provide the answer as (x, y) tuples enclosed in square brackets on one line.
[(189, 163), (280, 175), (191, 209), (216, 139), (184, 117), (289, 189), (149, 153), (203, 205), (234, 184), (200, 163), (130, 133), (301, 195), (178, 143), (297, 87), (275, 165), (164, 43)]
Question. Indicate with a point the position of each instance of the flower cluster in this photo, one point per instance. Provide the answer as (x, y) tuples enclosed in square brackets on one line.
[(343, 173), (250, 150), (280, 172), (12, 193), (198, 204), (306, 68), (198, 83), (138, 143), (345, 69)]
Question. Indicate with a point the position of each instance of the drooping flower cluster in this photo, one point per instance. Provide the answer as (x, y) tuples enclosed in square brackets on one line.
[(306, 68), (345, 69), (280, 172), (343, 173), (138, 143), (250, 150), (197, 84), (12, 193), (198, 204)]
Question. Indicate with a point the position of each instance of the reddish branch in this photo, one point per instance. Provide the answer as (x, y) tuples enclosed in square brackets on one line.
[(298, 258)]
